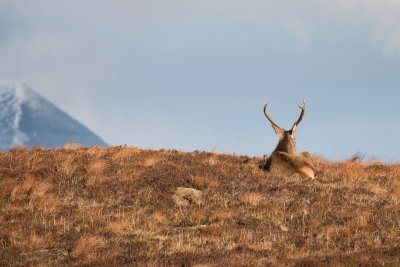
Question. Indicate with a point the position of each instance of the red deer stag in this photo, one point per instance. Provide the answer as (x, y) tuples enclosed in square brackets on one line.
[(284, 157)]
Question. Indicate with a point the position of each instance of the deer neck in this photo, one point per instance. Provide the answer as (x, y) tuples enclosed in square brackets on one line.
[(287, 145)]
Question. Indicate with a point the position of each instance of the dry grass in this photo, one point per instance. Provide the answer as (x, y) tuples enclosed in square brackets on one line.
[(114, 206), (253, 199), (87, 247)]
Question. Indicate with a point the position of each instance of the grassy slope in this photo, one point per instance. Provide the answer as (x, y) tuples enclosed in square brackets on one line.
[(113, 206)]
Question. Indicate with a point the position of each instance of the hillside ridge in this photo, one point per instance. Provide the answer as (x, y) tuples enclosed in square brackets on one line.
[(115, 206)]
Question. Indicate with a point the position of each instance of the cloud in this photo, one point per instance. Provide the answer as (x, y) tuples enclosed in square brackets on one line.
[(381, 18), (303, 19), (300, 32)]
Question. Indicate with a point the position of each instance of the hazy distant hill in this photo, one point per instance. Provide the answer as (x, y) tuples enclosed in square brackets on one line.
[(26, 118)]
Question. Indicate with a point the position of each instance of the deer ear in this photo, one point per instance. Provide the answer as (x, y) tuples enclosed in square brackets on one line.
[(279, 132)]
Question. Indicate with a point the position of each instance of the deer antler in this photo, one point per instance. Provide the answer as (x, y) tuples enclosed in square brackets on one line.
[(303, 108), (274, 125)]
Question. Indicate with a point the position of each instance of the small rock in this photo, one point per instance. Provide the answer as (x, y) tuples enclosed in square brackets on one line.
[(184, 196)]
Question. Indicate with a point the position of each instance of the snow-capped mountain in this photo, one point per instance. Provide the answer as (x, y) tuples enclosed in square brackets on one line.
[(28, 119)]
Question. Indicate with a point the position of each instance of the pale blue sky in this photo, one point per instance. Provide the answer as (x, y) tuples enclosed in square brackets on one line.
[(195, 74)]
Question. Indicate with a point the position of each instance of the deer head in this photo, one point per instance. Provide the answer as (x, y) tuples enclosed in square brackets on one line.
[(287, 139)]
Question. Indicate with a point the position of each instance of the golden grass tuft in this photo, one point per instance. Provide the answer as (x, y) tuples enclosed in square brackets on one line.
[(125, 154), (87, 247), (253, 199), (40, 189), (395, 192), (27, 241), (150, 161), (22, 191), (68, 165), (72, 146), (213, 159), (159, 217), (119, 226), (48, 204), (97, 172), (206, 182), (96, 152)]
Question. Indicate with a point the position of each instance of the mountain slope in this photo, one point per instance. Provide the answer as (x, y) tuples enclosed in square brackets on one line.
[(28, 119)]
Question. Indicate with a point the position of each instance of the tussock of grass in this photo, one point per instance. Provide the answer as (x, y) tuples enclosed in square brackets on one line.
[(114, 206)]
